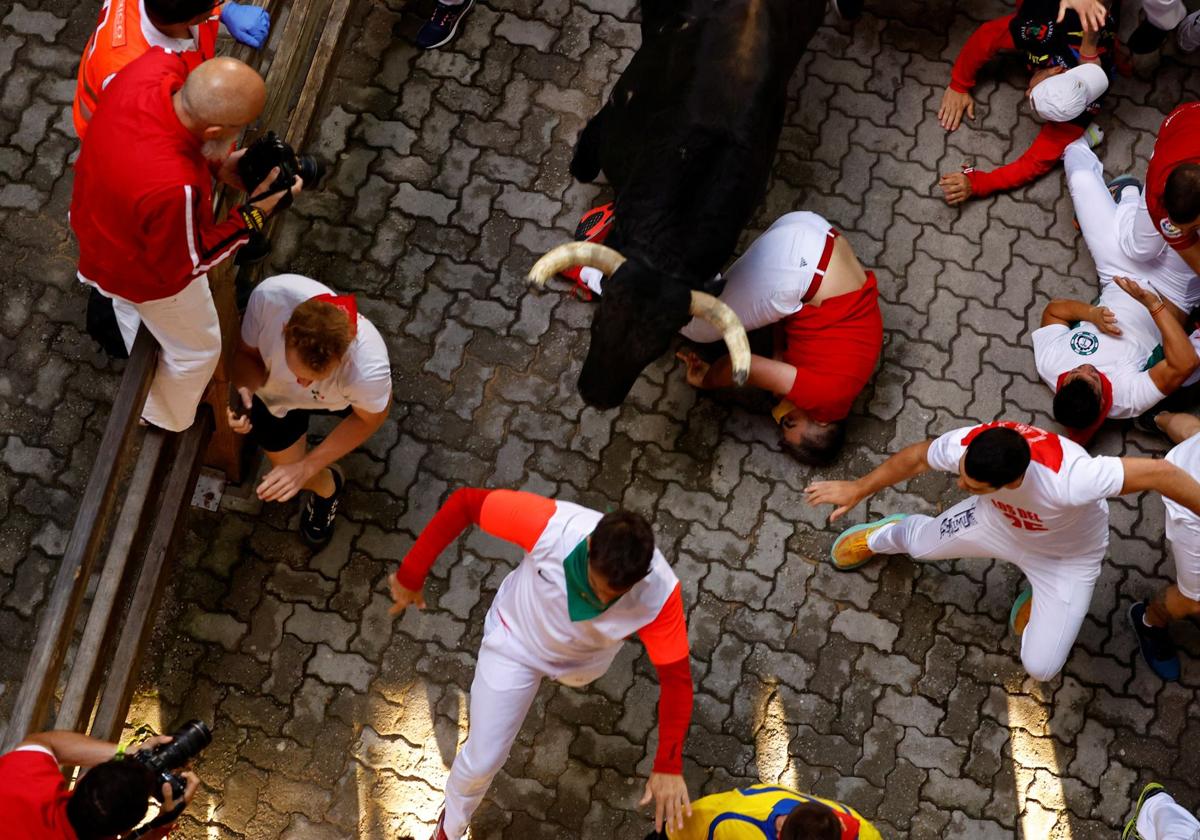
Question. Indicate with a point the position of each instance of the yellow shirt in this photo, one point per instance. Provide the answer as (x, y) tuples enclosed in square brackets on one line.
[(750, 814)]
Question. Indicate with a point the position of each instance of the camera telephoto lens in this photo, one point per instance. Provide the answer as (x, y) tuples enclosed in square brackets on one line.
[(311, 169), (185, 744)]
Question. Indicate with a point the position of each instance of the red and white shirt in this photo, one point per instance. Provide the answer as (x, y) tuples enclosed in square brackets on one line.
[(33, 796), (532, 600), (1178, 142), (141, 207), (1060, 507)]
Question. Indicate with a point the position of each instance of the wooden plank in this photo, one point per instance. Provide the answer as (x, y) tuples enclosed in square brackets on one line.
[(58, 615), (318, 74), (125, 667), (80, 690)]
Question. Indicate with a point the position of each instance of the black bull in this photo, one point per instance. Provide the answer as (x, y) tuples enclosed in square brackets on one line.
[(687, 139)]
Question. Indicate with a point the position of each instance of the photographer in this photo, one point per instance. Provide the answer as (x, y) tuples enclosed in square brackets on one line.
[(36, 803), (142, 211)]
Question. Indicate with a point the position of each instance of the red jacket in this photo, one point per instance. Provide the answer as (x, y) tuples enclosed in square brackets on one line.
[(142, 201)]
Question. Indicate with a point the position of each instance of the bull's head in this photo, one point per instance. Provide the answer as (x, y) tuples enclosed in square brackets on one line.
[(639, 313)]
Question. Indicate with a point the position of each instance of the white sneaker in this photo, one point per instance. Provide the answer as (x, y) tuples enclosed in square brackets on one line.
[(1093, 136), (1188, 33)]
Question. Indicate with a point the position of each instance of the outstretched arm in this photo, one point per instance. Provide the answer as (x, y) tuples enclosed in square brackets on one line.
[(667, 644), (1179, 356), (905, 464), (1042, 156), (510, 515), (1163, 477), (768, 374)]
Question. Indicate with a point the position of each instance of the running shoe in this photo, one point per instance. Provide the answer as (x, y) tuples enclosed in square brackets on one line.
[(1187, 34), (1146, 38), (1093, 135), (595, 226), (850, 549), (316, 520), (1018, 616), (1117, 185), (442, 24), (1157, 648), (1131, 832)]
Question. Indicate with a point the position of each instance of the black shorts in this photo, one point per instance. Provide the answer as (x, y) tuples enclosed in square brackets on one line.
[(275, 434)]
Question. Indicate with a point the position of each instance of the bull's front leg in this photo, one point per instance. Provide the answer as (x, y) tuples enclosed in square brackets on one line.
[(585, 164)]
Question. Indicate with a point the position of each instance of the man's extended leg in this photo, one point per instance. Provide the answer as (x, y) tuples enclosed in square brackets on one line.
[(501, 694), (189, 335), (1062, 593), (1161, 818), (1096, 213), (956, 533)]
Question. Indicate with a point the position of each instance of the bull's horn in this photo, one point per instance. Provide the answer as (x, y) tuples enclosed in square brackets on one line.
[(602, 257), (726, 320)]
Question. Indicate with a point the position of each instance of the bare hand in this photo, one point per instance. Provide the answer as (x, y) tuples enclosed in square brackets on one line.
[(1041, 76), (1144, 296), (844, 494), (241, 425), (1105, 320), (152, 742), (953, 104), (671, 803), (404, 597), (956, 187), (228, 173), (697, 368), (168, 803), (268, 202), (284, 481), (1091, 12)]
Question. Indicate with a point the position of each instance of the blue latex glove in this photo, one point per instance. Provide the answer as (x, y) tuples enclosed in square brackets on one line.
[(248, 24)]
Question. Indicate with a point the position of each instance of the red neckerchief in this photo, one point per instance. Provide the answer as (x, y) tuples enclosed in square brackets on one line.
[(1084, 436), (346, 304)]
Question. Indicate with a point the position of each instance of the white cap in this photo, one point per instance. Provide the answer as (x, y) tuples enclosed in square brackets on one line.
[(1064, 97)]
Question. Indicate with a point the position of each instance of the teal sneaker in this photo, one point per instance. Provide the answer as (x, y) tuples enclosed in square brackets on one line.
[(1018, 616), (850, 549)]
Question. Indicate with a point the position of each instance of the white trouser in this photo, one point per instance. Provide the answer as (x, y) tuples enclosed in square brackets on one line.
[(1062, 587), (1183, 531), (1115, 235), (501, 694), (1162, 819), (1164, 14), (189, 335)]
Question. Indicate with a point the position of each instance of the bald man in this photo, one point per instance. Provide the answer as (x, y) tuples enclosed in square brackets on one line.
[(142, 211)]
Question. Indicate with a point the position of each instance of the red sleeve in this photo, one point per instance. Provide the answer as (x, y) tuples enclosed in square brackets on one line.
[(180, 233), (1042, 156), (510, 515), (666, 643), (981, 47)]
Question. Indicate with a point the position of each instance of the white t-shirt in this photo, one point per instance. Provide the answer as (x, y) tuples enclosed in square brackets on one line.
[(1059, 509), (363, 379), (532, 603), (767, 282), (1125, 359)]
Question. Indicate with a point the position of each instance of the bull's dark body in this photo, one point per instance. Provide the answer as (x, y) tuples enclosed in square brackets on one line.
[(687, 140)]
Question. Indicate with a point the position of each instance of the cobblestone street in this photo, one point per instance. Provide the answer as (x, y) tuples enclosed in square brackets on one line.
[(897, 689)]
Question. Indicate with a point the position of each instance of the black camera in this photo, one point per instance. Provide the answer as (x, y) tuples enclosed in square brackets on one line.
[(269, 151), (185, 745)]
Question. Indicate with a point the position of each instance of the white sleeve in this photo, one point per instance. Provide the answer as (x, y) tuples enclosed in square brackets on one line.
[(946, 451), (1092, 479), (371, 389), (1134, 395), (1045, 359), (252, 318)]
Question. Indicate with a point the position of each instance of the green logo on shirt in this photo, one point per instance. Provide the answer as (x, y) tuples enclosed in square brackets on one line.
[(1085, 343)]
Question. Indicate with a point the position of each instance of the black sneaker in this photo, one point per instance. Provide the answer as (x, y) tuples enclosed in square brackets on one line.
[(1146, 38), (848, 9), (1157, 648), (316, 520), (442, 24)]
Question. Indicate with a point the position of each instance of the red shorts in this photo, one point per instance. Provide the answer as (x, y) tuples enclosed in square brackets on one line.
[(834, 348)]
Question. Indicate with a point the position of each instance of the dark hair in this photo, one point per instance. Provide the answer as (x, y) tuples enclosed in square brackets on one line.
[(1076, 404), (997, 457), (811, 821), (169, 12), (819, 443), (621, 548), (110, 799), (1181, 197)]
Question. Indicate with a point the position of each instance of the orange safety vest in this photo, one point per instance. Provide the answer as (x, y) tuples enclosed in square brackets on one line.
[(118, 40)]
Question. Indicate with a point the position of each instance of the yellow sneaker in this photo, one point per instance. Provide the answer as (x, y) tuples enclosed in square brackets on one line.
[(850, 549)]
